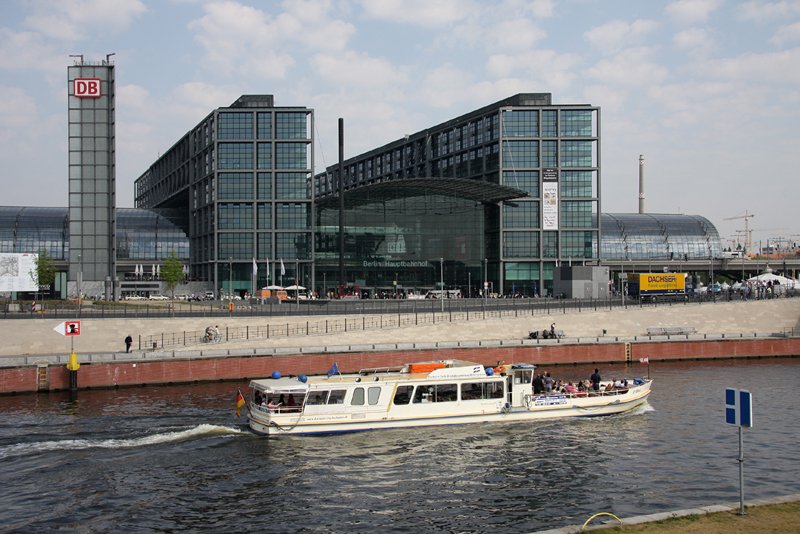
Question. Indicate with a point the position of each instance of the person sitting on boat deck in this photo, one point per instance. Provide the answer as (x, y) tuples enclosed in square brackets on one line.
[(569, 388), (609, 386), (548, 383), (595, 378), (273, 405), (618, 384), (290, 403), (538, 385), (258, 398)]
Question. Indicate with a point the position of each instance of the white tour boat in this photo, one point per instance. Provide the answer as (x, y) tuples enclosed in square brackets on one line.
[(422, 394)]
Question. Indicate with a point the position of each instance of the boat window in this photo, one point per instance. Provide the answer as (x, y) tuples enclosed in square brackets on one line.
[(403, 394), (436, 393), (337, 396), (358, 397), (523, 377), (317, 397), (374, 394), (482, 390)]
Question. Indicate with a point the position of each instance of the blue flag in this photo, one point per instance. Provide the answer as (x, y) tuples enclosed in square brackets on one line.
[(334, 370)]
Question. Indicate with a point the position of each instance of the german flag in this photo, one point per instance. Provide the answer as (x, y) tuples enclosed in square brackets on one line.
[(239, 402)]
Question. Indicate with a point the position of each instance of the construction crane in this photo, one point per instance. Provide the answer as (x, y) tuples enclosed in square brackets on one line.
[(748, 234)]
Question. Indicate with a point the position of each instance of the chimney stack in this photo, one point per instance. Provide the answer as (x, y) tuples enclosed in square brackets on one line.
[(641, 183)]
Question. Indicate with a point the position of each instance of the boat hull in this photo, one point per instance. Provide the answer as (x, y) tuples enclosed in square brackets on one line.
[(540, 407)]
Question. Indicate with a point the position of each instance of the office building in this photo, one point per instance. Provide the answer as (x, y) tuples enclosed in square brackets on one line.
[(242, 179)]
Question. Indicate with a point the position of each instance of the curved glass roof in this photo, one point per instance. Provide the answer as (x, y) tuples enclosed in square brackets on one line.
[(141, 234), (646, 236)]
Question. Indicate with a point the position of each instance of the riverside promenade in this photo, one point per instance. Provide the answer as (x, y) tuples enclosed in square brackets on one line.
[(32, 356)]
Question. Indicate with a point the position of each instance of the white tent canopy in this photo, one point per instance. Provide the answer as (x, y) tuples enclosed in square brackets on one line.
[(294, 288), (774, 278)]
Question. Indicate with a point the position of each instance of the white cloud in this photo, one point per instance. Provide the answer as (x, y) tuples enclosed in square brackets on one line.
[(692, 11), (782, 68), (17, 110), (514, 34), (358, 70), (630, 68), (787, 34), (544, 67), (424, 13), (693, 40), (76, 20), (617, 34), (761, 12)]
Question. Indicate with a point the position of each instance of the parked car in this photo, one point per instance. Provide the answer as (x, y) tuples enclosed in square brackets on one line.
[(159, 297)]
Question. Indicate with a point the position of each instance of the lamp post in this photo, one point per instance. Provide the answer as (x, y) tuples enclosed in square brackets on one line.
[(441, 279), (469, 284), (80, 281), (485, 276), (230, 278)]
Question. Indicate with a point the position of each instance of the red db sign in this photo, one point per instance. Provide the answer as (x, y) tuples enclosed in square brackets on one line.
[(86, 87)]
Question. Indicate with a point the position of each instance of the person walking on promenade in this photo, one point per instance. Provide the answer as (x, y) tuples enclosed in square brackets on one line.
[(128, 343)]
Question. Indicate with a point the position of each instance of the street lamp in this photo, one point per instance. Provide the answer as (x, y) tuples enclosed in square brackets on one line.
[(230, 278), (441, 279), (485, 276), (80, 280)]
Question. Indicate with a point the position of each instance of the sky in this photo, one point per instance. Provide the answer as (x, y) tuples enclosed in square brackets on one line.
[(707, 90)]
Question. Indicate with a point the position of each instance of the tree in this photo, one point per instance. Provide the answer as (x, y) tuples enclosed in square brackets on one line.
[(45, 269), (172, 273)]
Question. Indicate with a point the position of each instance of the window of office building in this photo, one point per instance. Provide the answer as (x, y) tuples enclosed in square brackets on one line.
[(549, 123), (520, 124), (234, 185), (521, 214), (576, 153), (235, 156), (577, 213), (520, 244), (520, 154), (231, 126), (292, 215), (549, 154), (549, 244), (264, 185), (576, 123), (264, 155), (264, 245), (264, 214), (291, 185), (238, 246), (293, 245), (578, 184), (578, 244), (516, 271), (235, 216), (291, 155), (264, 125), (291, 125), (526, 180)]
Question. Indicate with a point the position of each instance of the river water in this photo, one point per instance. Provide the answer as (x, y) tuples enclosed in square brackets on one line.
[(176, 459)]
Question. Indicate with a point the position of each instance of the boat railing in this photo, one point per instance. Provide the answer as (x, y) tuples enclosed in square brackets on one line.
[(380, 370), (582, 394), (269, 410)]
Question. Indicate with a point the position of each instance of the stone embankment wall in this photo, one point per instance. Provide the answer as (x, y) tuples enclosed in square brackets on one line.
[(33, 378)]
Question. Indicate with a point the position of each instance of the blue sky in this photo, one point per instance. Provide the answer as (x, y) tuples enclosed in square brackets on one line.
[(707, 90)]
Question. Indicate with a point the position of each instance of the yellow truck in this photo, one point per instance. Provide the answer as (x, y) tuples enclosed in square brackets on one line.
[(654, 285)]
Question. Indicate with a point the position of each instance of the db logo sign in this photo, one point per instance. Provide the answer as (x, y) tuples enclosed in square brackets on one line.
[(86, 87)]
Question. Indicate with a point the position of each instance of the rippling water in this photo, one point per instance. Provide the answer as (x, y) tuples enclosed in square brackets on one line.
[(175, 458)]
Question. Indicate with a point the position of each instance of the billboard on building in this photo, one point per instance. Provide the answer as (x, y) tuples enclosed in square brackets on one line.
[(550, 205), (18, 272)]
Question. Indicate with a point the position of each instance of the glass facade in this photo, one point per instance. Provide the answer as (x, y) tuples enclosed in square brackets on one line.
[(547, 153), (91, 155), (643, 237), (243, 177)]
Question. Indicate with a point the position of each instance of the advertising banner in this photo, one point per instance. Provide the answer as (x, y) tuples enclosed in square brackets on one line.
[(550, 205), (18, 272)]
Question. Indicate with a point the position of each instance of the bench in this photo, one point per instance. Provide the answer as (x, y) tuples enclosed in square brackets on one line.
[(670, 330)]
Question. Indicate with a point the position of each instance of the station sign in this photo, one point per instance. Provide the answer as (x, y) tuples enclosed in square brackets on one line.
[(86, 87)]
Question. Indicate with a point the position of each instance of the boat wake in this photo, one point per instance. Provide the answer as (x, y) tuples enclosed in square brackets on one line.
[(199, 431)]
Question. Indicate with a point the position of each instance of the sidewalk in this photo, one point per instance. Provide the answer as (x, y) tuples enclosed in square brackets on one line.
[(36, 336)]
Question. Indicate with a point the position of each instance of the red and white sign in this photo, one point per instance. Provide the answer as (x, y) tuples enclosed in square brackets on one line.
[(86, 87), (69, 328)]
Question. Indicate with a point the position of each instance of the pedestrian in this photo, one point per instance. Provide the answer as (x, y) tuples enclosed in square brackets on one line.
[(128, 343), (553, 330)]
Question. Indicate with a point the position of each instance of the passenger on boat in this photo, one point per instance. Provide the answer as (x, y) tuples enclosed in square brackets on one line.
[(569, 388), (618, 384), (610, 387), (595, 378), (258, 398), (548, 383), (275, 405), (538, 385)]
